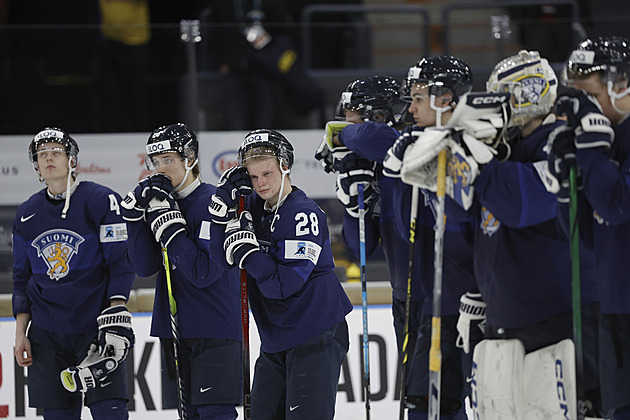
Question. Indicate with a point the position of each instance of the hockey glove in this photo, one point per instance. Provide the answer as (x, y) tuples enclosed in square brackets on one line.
[(392, 163), (136, 201), (328, 152), (584, 114), (165, 219), (115, 334), (355, 171), (115, 338), (471, 324), (234, 183), (240, 239), (92, 371)]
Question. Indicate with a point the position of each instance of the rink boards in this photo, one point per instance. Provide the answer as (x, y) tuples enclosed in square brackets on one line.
[(145, 387)]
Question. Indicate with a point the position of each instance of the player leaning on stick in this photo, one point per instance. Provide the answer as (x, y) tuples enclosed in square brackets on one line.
[(599, 143), (282, 241), (434, 86), (519, 249), (71, 281), (170, 209), (370, 108)]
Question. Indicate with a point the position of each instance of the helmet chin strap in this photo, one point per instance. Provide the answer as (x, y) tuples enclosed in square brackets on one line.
[(438, 110), (66, 205), (284, 172), (188, 169), (614, 96)]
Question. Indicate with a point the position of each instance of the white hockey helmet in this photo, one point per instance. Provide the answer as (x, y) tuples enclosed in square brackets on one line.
[(530, 80)]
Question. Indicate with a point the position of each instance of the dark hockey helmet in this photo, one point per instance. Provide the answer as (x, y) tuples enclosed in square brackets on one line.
[(609, 55), (263, 142), (377, 98), (173, 138), (53, 135), (438, 73)]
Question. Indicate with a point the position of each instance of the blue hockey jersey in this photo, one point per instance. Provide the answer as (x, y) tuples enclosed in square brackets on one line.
[(293, 290), (66, 270), (371, 140), (522, 258), (606, 177), (206, 291)]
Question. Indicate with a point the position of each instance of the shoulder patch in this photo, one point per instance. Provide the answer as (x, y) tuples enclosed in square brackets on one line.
[(116, 232), (204, 230), (302, 250)]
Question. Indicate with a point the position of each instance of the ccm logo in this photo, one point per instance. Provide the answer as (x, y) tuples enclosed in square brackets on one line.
[(488, 100)]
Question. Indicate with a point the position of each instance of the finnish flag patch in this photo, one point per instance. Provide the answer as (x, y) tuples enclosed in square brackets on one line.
[(302, 250)]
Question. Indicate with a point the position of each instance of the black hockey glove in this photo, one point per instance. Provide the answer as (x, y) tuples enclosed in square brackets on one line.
[(115, 333), (392, 164), (136, 201), (584, 114), (471, 324), (355, 171), (233, 184), (240, 239), (165, 219), (115, 338)]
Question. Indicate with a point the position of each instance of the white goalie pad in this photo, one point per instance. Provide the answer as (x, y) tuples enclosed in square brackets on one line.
[(496, 379), (550, 383), (506, 383)]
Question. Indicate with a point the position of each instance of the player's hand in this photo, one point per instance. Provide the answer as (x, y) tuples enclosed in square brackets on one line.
[(471, 323), (234, 183), (135, 203), (584, 114), (328, 152), (392, 164), (355, 171), (115, 333), (165, 219), (240, 239), (23, 355)]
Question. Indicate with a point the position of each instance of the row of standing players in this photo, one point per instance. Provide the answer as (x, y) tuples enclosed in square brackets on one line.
[(60, 291), (507, 253), (78, 247)]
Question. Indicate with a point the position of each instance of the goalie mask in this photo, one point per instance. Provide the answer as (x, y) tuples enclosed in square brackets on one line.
[(608, 55), (531, 82), (176, 138), (267, 143), (438, 74), (376, 98)]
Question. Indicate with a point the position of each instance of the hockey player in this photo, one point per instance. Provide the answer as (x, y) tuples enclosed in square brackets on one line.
[(515, 217), (281, 239), (372, 104), (599, 142), (170, 209), (433, 86), (71, 281)]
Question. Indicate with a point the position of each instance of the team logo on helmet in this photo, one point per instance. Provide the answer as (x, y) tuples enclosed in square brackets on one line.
[(57, 247), (533, 88)]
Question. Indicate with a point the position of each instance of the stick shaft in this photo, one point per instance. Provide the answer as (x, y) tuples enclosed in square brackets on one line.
[(435, 353), (247, 403), (181, 396), (366, 345)]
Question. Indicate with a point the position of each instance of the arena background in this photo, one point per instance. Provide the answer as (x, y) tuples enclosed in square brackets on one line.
[(54, 56)]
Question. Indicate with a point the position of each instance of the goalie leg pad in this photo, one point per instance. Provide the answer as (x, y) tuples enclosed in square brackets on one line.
[(92, 371)]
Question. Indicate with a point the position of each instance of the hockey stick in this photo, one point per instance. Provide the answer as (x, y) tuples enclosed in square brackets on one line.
[(405, 350), (181, 396), (247, 401), (435, 353), (574, 237), (366, 345)]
